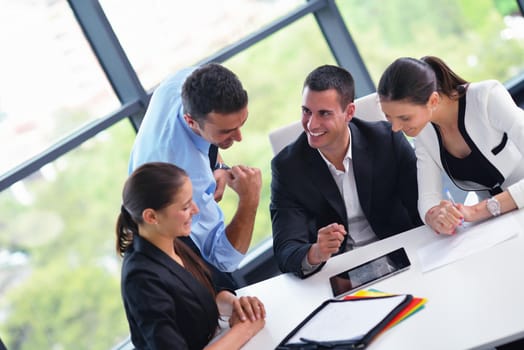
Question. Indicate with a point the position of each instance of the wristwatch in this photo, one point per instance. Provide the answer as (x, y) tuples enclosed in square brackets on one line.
[(493, 206), (221, 166)]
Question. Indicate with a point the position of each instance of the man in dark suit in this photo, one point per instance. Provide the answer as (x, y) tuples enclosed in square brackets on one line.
[(343, 183)]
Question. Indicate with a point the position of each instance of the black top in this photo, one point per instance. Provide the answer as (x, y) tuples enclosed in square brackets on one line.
[(474, 167), (166, 307)]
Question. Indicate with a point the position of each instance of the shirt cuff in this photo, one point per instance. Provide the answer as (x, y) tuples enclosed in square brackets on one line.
[(224, 256), (307, 267), (517, 193)]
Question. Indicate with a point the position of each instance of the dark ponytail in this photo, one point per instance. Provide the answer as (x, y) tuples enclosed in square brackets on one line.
[(126, 227), (449, 83)]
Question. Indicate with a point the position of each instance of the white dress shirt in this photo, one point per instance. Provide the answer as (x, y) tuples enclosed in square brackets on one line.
[(359, 231)]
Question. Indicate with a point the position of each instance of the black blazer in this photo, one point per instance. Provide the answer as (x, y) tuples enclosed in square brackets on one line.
[(305, 197), (166, 307)]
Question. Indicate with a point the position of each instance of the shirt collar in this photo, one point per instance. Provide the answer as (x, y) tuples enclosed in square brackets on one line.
[(347, 157), (200, 143)]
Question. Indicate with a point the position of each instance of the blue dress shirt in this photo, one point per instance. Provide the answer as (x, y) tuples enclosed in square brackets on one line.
[(164, 136)]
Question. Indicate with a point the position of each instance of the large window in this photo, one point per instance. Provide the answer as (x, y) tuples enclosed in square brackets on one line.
[(58, 268), (162, 36), (50, 81), (481, 39)]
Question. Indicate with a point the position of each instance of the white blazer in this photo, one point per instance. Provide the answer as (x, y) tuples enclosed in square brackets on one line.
[(490, 112)]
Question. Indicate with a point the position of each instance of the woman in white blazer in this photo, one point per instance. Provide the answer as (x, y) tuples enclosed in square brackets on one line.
[(472, 131)]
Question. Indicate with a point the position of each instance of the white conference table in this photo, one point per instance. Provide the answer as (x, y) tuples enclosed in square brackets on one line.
[(475, 302)]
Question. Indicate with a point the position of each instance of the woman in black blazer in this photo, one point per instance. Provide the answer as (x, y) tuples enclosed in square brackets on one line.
[(169, 297)]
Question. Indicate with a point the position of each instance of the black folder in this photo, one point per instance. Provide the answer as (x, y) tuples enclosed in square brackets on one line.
[(345, 324)]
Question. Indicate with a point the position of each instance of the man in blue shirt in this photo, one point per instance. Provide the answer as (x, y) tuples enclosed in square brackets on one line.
[(190, 115)]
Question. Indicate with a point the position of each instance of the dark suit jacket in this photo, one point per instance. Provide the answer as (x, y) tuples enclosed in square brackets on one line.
[(305, 197), (166, 307)]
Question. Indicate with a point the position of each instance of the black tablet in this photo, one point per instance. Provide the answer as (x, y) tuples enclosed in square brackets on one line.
[(369, 272)]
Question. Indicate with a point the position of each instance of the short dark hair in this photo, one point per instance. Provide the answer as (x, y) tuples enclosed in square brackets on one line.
[(212, 88), (415, 80), (332, 77)]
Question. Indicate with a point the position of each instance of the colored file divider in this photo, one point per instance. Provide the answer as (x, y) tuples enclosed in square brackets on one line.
[(414, 306)]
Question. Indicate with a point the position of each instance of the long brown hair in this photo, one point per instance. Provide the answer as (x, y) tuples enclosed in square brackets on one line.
[(154, 185)]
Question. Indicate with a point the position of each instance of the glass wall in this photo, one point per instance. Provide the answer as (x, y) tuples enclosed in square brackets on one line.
[(59, 272), (481, 39), (51, 83), (161, 36)]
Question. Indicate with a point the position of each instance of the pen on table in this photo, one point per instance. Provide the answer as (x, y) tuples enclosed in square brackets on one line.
[(450, 198)]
